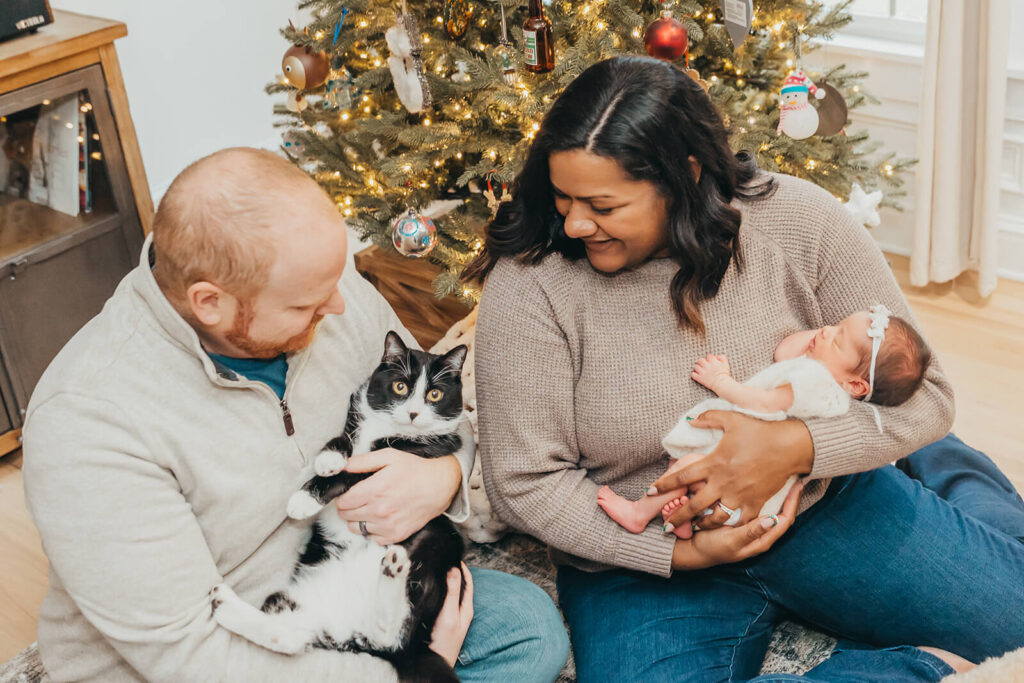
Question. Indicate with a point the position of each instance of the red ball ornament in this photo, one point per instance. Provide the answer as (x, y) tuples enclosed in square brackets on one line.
[(666, 38)]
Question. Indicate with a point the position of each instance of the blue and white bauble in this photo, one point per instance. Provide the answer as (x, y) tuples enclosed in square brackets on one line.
[(413, 234)]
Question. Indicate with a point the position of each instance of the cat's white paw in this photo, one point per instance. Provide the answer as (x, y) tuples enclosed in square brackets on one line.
[(228, 609), (217, 594), (302, 505), (396, 563), (328, 463)]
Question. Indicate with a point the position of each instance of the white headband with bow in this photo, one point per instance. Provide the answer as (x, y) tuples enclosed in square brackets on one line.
[(879, 315)]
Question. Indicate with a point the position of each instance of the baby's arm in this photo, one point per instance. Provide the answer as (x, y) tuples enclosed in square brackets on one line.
[(713, 372)]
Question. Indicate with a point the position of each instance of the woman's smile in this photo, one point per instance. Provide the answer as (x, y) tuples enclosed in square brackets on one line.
[(598, 245)]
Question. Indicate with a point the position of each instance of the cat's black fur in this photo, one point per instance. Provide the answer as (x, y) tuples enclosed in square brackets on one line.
[(434, 549)]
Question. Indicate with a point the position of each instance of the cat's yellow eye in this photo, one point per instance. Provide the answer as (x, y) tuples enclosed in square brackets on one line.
[(434, 395), (400, 388)]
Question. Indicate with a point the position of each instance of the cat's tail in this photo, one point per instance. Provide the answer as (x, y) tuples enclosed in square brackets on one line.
[(426, 667)]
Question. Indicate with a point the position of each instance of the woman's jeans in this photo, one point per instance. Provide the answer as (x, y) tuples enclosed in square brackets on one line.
[(927, 553)]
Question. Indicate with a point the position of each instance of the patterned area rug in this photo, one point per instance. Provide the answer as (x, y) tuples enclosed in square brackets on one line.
[(793, 649)]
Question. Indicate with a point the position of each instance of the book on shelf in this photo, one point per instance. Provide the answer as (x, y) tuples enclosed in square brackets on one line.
[(48, 150)]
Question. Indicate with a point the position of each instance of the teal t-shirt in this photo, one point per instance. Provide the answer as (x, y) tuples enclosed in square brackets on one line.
[(271, 372)]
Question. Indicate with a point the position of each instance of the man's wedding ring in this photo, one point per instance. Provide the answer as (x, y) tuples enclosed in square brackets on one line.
[(362, 529), (734, 515)]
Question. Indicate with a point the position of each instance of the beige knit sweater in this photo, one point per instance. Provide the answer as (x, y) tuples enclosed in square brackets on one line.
[(579, 375)]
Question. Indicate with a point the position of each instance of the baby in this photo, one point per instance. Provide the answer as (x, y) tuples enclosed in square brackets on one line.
[(870, 355)]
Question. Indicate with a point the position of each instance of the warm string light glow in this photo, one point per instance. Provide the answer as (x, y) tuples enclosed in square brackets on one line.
[(516, 115)]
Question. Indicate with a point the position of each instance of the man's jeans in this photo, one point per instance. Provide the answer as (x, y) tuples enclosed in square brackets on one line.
[(516, 633), (931, 553)]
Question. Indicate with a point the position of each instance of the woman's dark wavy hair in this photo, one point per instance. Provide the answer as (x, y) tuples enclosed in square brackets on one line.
[(650, 117)]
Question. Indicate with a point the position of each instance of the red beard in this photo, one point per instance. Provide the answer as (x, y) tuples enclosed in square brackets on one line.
[(239, 336)]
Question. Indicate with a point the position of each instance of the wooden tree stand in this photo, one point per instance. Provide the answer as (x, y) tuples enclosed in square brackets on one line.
[(407, 284)]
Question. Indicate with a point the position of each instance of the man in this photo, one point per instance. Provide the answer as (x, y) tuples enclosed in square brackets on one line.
[(163, 442)]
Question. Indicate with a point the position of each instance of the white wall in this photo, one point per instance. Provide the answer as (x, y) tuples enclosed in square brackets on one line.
[(195, 72)]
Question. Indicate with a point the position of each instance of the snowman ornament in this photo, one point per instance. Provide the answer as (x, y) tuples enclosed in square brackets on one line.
[(798, 118)]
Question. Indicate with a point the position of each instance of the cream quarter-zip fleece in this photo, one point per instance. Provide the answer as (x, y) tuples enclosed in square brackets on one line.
[(153, 475)]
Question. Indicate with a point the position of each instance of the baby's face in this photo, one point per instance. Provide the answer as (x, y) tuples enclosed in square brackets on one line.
[(841, 348)]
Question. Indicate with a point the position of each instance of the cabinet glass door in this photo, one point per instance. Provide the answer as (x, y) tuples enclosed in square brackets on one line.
[(69, 230)]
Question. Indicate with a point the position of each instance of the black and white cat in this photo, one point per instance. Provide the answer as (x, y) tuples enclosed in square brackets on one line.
[(347, 592)]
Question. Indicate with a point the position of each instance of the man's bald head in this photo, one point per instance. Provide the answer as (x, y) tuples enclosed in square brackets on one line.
[(222, 216)]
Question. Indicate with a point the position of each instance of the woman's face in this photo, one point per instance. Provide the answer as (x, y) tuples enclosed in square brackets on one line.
[(621, 221)]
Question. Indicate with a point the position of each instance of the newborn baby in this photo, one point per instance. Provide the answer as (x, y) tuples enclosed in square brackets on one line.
[(869, 355)]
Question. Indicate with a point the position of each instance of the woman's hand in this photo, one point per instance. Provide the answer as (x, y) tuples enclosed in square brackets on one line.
[(726, 545), (454, 618), (751, 463), (404, 493)]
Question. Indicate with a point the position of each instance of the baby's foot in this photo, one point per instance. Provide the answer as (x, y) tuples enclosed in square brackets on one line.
[(683, 531), (623, 511)]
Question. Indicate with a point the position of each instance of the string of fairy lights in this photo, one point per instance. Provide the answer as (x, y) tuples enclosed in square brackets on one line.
[(480, 129)]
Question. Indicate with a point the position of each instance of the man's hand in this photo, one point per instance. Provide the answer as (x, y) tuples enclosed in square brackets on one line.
[(454, 618), (710, 371), (734, 544), (404, 493), (751, 463)]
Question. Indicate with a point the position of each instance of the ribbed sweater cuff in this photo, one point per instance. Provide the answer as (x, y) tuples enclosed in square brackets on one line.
[(838, 446), (650, 551)]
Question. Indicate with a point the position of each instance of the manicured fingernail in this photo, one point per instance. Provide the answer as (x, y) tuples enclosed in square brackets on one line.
[(769, 522), (707, 511), (652, 490), (689, 419), (668, 527)]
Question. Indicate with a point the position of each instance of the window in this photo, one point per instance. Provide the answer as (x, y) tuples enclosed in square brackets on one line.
[(896, 20), (904, 9)]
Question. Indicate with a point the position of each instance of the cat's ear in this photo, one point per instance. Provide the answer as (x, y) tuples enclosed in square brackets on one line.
[(453, 360), (394, 348)]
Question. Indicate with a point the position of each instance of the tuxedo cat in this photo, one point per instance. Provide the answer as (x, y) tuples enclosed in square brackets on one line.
[(347, 592)]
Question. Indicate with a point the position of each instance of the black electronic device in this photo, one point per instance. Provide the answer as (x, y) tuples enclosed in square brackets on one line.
[(23, 16)]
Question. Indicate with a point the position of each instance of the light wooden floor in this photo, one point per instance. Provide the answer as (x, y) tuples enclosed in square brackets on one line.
[(980, 344)]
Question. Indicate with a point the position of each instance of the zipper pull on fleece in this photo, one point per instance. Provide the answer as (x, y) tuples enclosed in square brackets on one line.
[(289, 426)]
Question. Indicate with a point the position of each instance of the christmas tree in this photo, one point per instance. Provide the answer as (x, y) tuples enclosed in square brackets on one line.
[(444, 106)]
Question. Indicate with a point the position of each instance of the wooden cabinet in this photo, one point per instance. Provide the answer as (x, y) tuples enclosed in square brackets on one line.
[(58, 267)]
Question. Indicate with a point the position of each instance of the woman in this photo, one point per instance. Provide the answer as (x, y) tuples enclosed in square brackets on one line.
[(637, 243)]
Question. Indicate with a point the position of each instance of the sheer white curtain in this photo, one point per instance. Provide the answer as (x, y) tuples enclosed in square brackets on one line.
[(960, 141)]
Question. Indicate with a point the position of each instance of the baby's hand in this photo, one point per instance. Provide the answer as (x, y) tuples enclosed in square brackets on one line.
[(711, 370)]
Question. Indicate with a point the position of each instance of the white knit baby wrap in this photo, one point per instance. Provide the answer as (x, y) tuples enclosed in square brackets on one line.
[(815, 394)]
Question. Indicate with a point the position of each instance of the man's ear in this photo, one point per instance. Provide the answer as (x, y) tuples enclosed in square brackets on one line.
[(207, 302), (695, 165), (856, 386)]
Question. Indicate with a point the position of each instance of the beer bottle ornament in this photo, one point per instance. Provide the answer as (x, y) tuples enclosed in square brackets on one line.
[(539, 48)]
